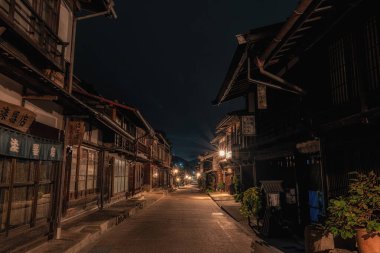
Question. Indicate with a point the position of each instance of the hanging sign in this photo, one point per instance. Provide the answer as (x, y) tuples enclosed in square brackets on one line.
[(75, 132), (16, 117), (248, 125), (307, 147), (261, 97)]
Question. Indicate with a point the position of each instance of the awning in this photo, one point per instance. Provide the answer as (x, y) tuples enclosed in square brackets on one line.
[(274, 186)]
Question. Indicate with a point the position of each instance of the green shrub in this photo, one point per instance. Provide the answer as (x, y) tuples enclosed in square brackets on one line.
[(238, 197), (221, 186), (251, 203), (358, 209)]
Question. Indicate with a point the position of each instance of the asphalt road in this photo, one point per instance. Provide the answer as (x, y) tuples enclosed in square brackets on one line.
[(184, 221)]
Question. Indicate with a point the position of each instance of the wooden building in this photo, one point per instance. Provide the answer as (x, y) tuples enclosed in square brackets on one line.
[(161, 161), (234, 136), (312, 84), (36, 107)]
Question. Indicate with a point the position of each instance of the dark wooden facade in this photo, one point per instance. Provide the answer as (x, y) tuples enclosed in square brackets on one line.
[(323, 89)]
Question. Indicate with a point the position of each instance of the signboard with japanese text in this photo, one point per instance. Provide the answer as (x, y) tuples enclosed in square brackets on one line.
[(262, 97), (16, 117), (75, 132), (248, 125), (20, 145)]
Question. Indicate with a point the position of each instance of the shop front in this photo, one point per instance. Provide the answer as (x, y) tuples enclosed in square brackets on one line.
[(29, 169)]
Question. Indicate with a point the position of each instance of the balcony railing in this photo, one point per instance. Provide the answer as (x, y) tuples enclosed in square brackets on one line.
[(20, 16), (141, 148), (124, 144)]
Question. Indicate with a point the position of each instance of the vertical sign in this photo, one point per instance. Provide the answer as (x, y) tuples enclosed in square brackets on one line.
[(76, 132), (248, 125), (262, 96)]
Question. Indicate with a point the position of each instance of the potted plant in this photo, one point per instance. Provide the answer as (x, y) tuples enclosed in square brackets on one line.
[(251, 203), (221, 186), (358, 213)]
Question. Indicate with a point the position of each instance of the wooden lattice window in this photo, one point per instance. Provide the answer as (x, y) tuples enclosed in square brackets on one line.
[(338, 76), (373, 54)]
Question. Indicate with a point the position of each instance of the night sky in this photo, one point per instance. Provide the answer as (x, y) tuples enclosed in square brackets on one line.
[(168, 58)]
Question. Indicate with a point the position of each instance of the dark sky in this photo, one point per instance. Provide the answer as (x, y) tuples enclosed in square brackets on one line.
[(168, 58)]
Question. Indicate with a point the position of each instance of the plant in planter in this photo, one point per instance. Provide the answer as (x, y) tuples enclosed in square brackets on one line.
[(358, 213), (251, 203), (221, 186), (238, 196)]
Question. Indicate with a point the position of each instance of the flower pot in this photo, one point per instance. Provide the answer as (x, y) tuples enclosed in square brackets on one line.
[(368, 242), (316, 240)]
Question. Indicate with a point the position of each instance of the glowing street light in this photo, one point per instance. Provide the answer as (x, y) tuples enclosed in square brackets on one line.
[(198, 175), (222, 153)]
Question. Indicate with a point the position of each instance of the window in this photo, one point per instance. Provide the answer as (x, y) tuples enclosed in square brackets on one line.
[(120, 172), (83, 177), (339, 88), (25, 192), (373, 54)]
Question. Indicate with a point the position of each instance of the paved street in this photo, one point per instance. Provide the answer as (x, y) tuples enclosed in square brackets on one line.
[(184, 221)]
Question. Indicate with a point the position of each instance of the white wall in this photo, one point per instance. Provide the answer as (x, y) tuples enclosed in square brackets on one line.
[(48, 113), (65, 28)]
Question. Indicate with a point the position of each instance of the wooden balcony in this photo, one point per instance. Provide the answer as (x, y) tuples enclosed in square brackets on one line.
[(124, 144), (30, 28)]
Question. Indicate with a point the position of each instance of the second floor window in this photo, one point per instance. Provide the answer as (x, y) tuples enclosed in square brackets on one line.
[(373, 53), (354, 61), (48, 10)]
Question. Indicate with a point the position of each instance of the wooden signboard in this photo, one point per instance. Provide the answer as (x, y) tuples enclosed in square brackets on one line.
[(261, 97), (248, 125), (75, 132), (15, 116)]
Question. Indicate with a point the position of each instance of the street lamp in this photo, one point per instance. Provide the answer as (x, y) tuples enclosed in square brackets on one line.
[(198, 175), (222, 153)]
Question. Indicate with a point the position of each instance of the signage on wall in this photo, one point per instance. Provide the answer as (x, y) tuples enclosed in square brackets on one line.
[(15, 116), (21, 145), (262, 97), (248, 125), (75, 132)]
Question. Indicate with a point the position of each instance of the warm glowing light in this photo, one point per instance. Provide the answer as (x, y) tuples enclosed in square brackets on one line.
[(155, 174), (177, 179), (175, 171), (198, 175), (222, 153), (228, 155)]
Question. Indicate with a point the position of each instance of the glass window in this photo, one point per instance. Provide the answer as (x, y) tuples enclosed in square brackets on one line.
[(74, 157), (5, 170), (23, 172), (91, 170), (46, 170), (43, 202), (21, 207), (4, 198), (82, 170)]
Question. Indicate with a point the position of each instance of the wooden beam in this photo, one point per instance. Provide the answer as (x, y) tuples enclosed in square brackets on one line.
[(44, 97)]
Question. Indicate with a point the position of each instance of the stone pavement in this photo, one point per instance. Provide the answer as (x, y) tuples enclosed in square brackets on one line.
[(185, 221), (79, 233), (270, 245)]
